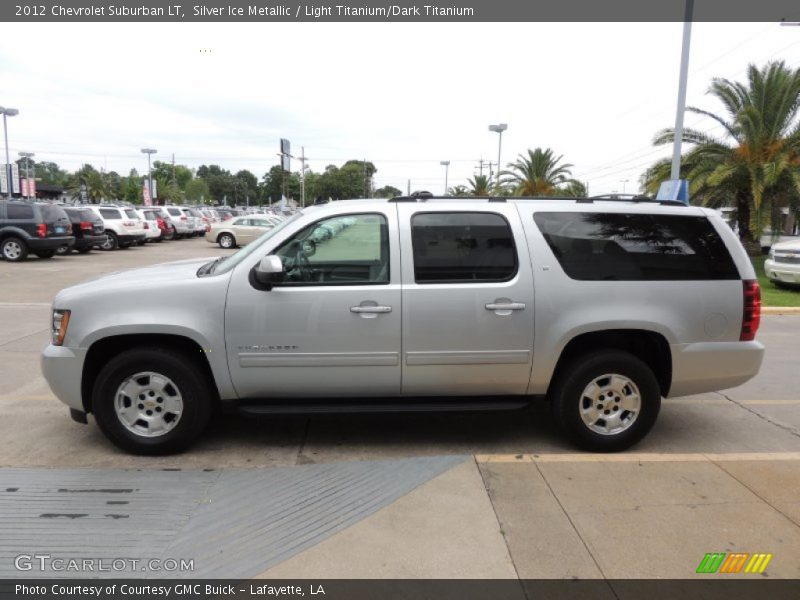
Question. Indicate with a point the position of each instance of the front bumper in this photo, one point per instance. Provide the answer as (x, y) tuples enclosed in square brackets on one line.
[(712, 366), (781, 271), (63, 368)]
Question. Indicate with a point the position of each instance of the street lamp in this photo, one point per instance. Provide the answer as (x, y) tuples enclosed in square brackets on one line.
[(446, 165), (8, 112), (28, 156), (623, 182), (149, 151), (500, 128), (675, 170)]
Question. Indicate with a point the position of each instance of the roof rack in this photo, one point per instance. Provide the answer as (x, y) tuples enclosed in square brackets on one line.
[(633, 198)]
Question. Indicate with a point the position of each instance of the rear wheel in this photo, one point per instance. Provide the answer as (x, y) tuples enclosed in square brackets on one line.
[(46, 253), (111, 242), (85, 250), (63, 250), (14, 249), (606, 401), (226, 240), (151, 400)]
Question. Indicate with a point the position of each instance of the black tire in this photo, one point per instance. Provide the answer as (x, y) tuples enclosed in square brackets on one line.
[(13, 249), (190, 382), (111, 243), (85, 249), (568, 400), (226, 240), (63, 250), (46, 253)]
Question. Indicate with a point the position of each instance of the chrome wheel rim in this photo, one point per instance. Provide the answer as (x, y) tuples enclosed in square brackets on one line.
[(12, 250), (226, 241), (108, 244), (610, 404), (148, 404)]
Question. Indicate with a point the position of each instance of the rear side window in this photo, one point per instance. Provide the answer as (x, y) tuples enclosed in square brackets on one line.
[(19, 211), (175, 212), (624, 247), (132, 214), (462, 247), (52, 214), (110, 213)]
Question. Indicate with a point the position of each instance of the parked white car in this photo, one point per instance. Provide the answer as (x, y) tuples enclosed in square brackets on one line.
[(783, 264), (122, 226), (151, 229), (180, 220)]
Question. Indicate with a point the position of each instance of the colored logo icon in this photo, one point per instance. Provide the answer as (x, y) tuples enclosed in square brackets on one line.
[(735, 562)]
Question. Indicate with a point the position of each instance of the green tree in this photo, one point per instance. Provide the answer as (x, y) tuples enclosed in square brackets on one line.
[(388, 191), (164, 171), (93, 182), (572, 189), (458, 191), (479, 186), (197, 191), (537, 174), (756, 161), (132, 188), (352, 180)]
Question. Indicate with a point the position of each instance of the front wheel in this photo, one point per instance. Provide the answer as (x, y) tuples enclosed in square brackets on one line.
[(226, 241), (606, 401), (63, 250), (151, 400)]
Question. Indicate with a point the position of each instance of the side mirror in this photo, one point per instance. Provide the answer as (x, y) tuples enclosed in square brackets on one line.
[(267, 273)]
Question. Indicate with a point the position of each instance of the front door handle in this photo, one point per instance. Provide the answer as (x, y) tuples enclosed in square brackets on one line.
[(505, 306), (370, 309)]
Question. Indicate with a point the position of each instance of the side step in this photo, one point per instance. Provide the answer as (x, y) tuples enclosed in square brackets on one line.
[(306, 406)]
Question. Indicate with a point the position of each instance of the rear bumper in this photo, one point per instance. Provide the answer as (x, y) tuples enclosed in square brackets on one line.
[(713, 366), (781, 271), (51, 243), (62, 368), (125, 238), (88, 241)]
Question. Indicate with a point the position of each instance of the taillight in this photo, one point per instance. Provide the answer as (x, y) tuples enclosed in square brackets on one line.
[(86, 225), (146, 226), (41, 230), (183, 219), (751, 317)]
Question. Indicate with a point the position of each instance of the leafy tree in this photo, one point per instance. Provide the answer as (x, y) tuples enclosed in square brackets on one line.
[(458, 191), (131, 188), (164, 171), (479, 186), (94, 182), (756, 162), (388, 191), (168, 192), (536, 174), (197, 191), (573, 189), (352, 180), (50, 173), (271, 186)]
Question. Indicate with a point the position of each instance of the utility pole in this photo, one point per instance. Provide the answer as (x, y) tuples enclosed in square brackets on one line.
[(675, 172), (173, 169), (366, 180), (303, 176)]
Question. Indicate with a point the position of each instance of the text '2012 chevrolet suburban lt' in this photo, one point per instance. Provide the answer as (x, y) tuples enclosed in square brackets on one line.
[(419, 303)]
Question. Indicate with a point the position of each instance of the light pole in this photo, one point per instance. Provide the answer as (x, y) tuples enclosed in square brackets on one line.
[(500, 128), (149, 151), (446, 165), (28, 156), (623, 182), (8, 112), (675, 171)]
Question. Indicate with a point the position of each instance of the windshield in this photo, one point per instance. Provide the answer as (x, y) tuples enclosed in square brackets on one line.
[(231, 261)]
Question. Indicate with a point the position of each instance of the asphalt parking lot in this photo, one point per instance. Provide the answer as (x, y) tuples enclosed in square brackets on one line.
[(719, 473)]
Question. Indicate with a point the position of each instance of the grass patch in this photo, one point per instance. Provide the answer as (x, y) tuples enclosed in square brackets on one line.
[(772, 295)]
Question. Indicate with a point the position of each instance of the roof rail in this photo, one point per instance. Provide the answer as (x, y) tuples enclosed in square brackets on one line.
[(634, 198)]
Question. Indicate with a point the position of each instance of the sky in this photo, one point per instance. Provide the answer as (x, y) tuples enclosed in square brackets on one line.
[(404, 96)]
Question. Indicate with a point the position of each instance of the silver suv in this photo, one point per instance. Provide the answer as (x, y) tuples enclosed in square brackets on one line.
[(604, 307)]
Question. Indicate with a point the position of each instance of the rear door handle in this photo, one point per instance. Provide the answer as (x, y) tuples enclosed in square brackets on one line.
[(370, 309), (505, 306)]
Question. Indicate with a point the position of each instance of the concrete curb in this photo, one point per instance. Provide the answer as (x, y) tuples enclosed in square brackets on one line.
[(780, 310)]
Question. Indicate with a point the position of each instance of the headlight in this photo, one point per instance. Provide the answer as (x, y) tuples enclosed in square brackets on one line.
[(60, 324)]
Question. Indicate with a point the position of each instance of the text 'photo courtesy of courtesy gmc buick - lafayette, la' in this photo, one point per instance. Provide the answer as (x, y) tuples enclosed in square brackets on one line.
[(601, 307)]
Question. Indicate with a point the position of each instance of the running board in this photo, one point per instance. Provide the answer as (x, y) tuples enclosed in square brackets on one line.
[(307, 406)]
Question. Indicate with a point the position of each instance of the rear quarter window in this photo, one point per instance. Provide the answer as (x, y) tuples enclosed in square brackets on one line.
[(625, 247), (110, 213), (132, 214), (175, 212), (19, 211)]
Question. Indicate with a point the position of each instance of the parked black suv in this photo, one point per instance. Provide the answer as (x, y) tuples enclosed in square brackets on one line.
[(32, 227), (87, 228)]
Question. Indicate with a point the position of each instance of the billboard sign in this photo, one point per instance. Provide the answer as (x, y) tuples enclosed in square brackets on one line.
[(285, 146), (674, 189), (29, 187), (14, 179), (148, 201)]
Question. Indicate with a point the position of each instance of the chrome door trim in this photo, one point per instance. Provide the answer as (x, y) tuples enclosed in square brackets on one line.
[(485, 357)]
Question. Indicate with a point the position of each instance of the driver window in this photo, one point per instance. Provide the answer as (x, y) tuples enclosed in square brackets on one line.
[(341, 250)]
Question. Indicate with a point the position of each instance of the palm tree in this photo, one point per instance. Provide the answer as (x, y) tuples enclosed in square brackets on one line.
[(94, 183), (479, 186), (756, 161), (536, 174), (459, 191)]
